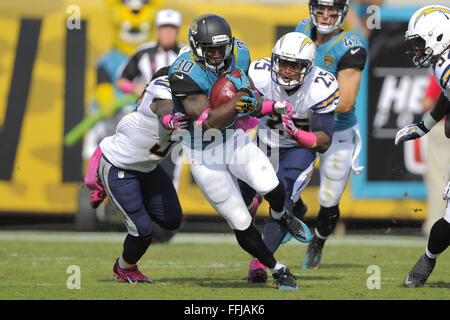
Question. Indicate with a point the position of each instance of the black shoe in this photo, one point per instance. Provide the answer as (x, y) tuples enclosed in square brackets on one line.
[(419, 274), (313, 253), (298, 210), (295, 227), (284, 279)]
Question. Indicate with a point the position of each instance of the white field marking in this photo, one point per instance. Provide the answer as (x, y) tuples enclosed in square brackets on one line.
[(30, 284), (206, 238), (349, 240), (62, 236), (182, 265), (40, 284)]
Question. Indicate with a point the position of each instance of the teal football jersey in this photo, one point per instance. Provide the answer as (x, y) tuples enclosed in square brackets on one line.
[(345, 50), (188, 77)]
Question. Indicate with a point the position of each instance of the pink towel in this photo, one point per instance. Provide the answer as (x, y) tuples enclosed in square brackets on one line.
[(91, 182)]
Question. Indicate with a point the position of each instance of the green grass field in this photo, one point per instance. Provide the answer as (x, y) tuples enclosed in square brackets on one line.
[(33, 266)]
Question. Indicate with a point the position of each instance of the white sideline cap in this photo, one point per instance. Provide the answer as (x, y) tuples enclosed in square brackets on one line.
[(168, 16)]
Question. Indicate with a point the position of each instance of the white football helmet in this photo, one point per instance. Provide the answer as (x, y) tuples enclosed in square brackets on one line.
[(296, 50), (428, 34)]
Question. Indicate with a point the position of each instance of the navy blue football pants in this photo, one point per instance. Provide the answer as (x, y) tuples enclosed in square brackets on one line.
[(141, 199), (292, 163)]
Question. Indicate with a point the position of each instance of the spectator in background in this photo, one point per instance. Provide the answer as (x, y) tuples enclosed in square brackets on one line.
[(130, 22), (437, 160), (152, 56), (149, 58)]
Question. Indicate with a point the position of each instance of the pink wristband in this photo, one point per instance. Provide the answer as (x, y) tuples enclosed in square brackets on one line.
[(305, 138), (166, 119), (202, 117), (267, 107), (127, 86)]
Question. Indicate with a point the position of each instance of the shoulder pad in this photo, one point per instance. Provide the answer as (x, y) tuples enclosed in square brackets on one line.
[(323, 91), (260, 73), (442, 71), (351, 40), (242, 55), (304, 24), (159, 88)]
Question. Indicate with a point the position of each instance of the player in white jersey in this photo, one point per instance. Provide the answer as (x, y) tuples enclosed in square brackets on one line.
[(126, 167), (429, 36), (141, 141), (290, 75)]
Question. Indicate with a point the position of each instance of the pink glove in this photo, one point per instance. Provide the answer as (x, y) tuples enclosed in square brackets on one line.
[(91, 182), (97, 198), (304, 138), (172, 122), (246, 123)]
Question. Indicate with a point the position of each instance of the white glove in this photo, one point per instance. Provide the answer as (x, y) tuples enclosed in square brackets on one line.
[(410, 132), (446, 194), (283, 107)]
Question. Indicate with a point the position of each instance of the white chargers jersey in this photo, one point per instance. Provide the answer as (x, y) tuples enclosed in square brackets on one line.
[(442, 73), (141, 141), (319, 93)]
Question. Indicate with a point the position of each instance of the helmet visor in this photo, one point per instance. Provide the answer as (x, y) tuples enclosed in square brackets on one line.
[(214, 54), (327, 18), (418, 52), (289, 72)]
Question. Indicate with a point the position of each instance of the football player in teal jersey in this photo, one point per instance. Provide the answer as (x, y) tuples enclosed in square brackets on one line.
[(341, 53), (218, 153)]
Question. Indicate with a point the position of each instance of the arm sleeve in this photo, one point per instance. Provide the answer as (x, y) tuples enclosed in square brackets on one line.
[(354, 58), (323, 122), (441, 108)]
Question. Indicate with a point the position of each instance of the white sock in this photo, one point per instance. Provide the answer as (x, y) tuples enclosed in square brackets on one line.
[(277, 267), (276, 215), (431, 255), (123, 264), (319, 235)]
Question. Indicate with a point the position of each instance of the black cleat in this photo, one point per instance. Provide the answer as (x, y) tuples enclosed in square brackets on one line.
[(299, 210), (284, 279), (313, 253), (419, 274), (295, 227)]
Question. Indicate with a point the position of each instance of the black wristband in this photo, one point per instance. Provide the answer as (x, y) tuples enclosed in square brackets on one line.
[(422, 127)]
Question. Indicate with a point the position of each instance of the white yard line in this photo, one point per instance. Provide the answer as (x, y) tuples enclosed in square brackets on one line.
[(118, 237)]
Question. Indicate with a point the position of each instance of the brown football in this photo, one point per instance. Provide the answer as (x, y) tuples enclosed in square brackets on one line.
[(223, 90)]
